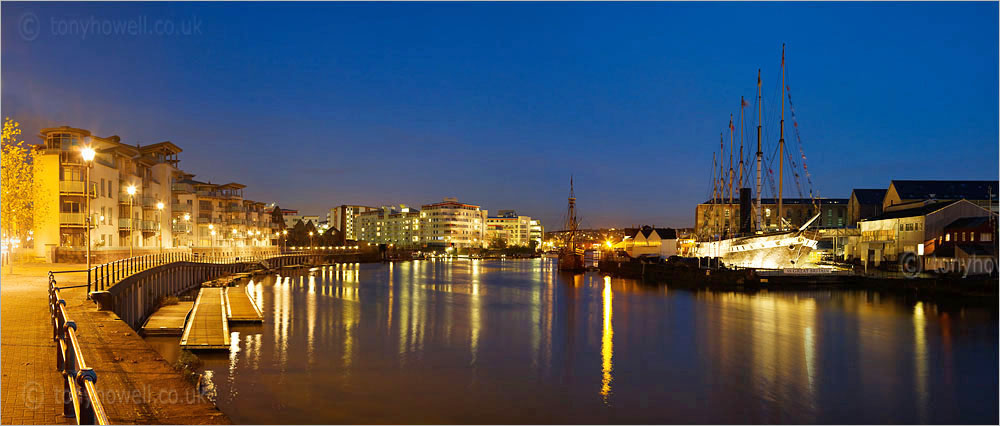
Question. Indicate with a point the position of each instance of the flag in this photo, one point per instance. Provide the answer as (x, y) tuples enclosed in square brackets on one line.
[(744, 103)]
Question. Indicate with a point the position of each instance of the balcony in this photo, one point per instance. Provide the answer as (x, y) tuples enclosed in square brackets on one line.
[(72, 219), (148, 225), (202, 219), (123, 223), (236, 222), (181, 227), (76, 187), (182, 187), (180, 208), (148, 202), (70, 157), (235, 208)]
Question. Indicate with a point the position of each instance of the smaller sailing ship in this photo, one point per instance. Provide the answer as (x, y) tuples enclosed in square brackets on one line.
[(570, 257)]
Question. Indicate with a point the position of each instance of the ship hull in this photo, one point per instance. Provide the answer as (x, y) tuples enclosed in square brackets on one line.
[(570, 262), (773, 251)]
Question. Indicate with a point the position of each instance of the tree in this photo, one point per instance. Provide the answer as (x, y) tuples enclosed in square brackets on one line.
[(498, 242), (17, 185)]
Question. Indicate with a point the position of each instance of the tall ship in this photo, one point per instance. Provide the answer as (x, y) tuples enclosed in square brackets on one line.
[(570, 256), (754, 243)]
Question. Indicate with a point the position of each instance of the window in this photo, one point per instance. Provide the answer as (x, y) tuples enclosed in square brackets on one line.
[(947, 237), (102, 187), (72, 174), (70, 207), (986, 236)]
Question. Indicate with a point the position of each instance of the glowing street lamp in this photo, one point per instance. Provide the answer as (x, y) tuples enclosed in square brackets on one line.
[(159, 209), (131, 218), (310, 239), (88, 153)]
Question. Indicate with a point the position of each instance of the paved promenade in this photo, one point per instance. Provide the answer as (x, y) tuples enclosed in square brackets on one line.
[(135, 383)]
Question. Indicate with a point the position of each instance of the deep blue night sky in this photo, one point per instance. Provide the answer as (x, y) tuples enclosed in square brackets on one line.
[(315, 105)]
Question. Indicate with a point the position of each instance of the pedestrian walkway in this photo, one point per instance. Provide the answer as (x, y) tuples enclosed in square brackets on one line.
[(135, 384), (32, 387)]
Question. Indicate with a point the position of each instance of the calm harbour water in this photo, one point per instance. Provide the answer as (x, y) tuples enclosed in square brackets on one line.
[(516, 341)]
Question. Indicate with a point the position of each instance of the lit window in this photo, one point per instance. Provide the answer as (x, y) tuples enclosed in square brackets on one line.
[(986, 236)]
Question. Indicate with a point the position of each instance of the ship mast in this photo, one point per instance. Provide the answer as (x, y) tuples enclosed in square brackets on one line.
[(760, 154), (781, 142), (715, 197), (571, 217), (740, 182), (731, 173), (722, 181)]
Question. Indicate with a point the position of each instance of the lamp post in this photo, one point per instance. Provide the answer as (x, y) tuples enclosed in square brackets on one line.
[(284, 239), (187, 226), (88, 157), (159, 224), (310, 239), (131, 218), (211, 241)]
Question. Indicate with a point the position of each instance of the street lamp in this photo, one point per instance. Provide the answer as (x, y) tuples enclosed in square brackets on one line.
[(284, 242), (187, 226), (211, 241), (131, 218), (310, 239), (88, 157), (159, 224)]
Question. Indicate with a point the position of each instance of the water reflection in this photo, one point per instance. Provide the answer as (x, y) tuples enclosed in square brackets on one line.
[(470, 341), (607, 342)]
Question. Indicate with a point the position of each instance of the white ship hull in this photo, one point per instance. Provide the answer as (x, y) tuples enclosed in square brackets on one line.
[(773, 251)]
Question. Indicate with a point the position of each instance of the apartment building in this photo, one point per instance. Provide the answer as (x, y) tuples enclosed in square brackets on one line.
[(342, 218), (507, 226), (217, 215), (399, 227), (128, 187), (138, 198), (453, 224)]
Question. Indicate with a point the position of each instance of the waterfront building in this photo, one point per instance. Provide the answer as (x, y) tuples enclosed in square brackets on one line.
[(982, 193), (537, 232), (342, 218), (390, 226), (292, 217), (648, 240), (61, 196), (711, 217), (863, 204), (511, 228), (453, 224), (903, 230), (966, 246), (217, 215)]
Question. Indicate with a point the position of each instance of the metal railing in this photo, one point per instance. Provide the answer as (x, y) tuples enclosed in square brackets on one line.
[(101, 277), (80, 398), (72, 218)]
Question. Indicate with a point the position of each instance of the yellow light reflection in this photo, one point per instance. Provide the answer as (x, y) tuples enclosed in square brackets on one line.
[(920, 358), (607, 340)]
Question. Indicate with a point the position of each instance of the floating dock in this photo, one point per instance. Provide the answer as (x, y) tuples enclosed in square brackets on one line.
[(207, 326), (240, 306), (168, 320)]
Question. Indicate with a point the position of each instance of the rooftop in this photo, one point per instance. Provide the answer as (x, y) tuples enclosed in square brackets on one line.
[(946, 189)]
